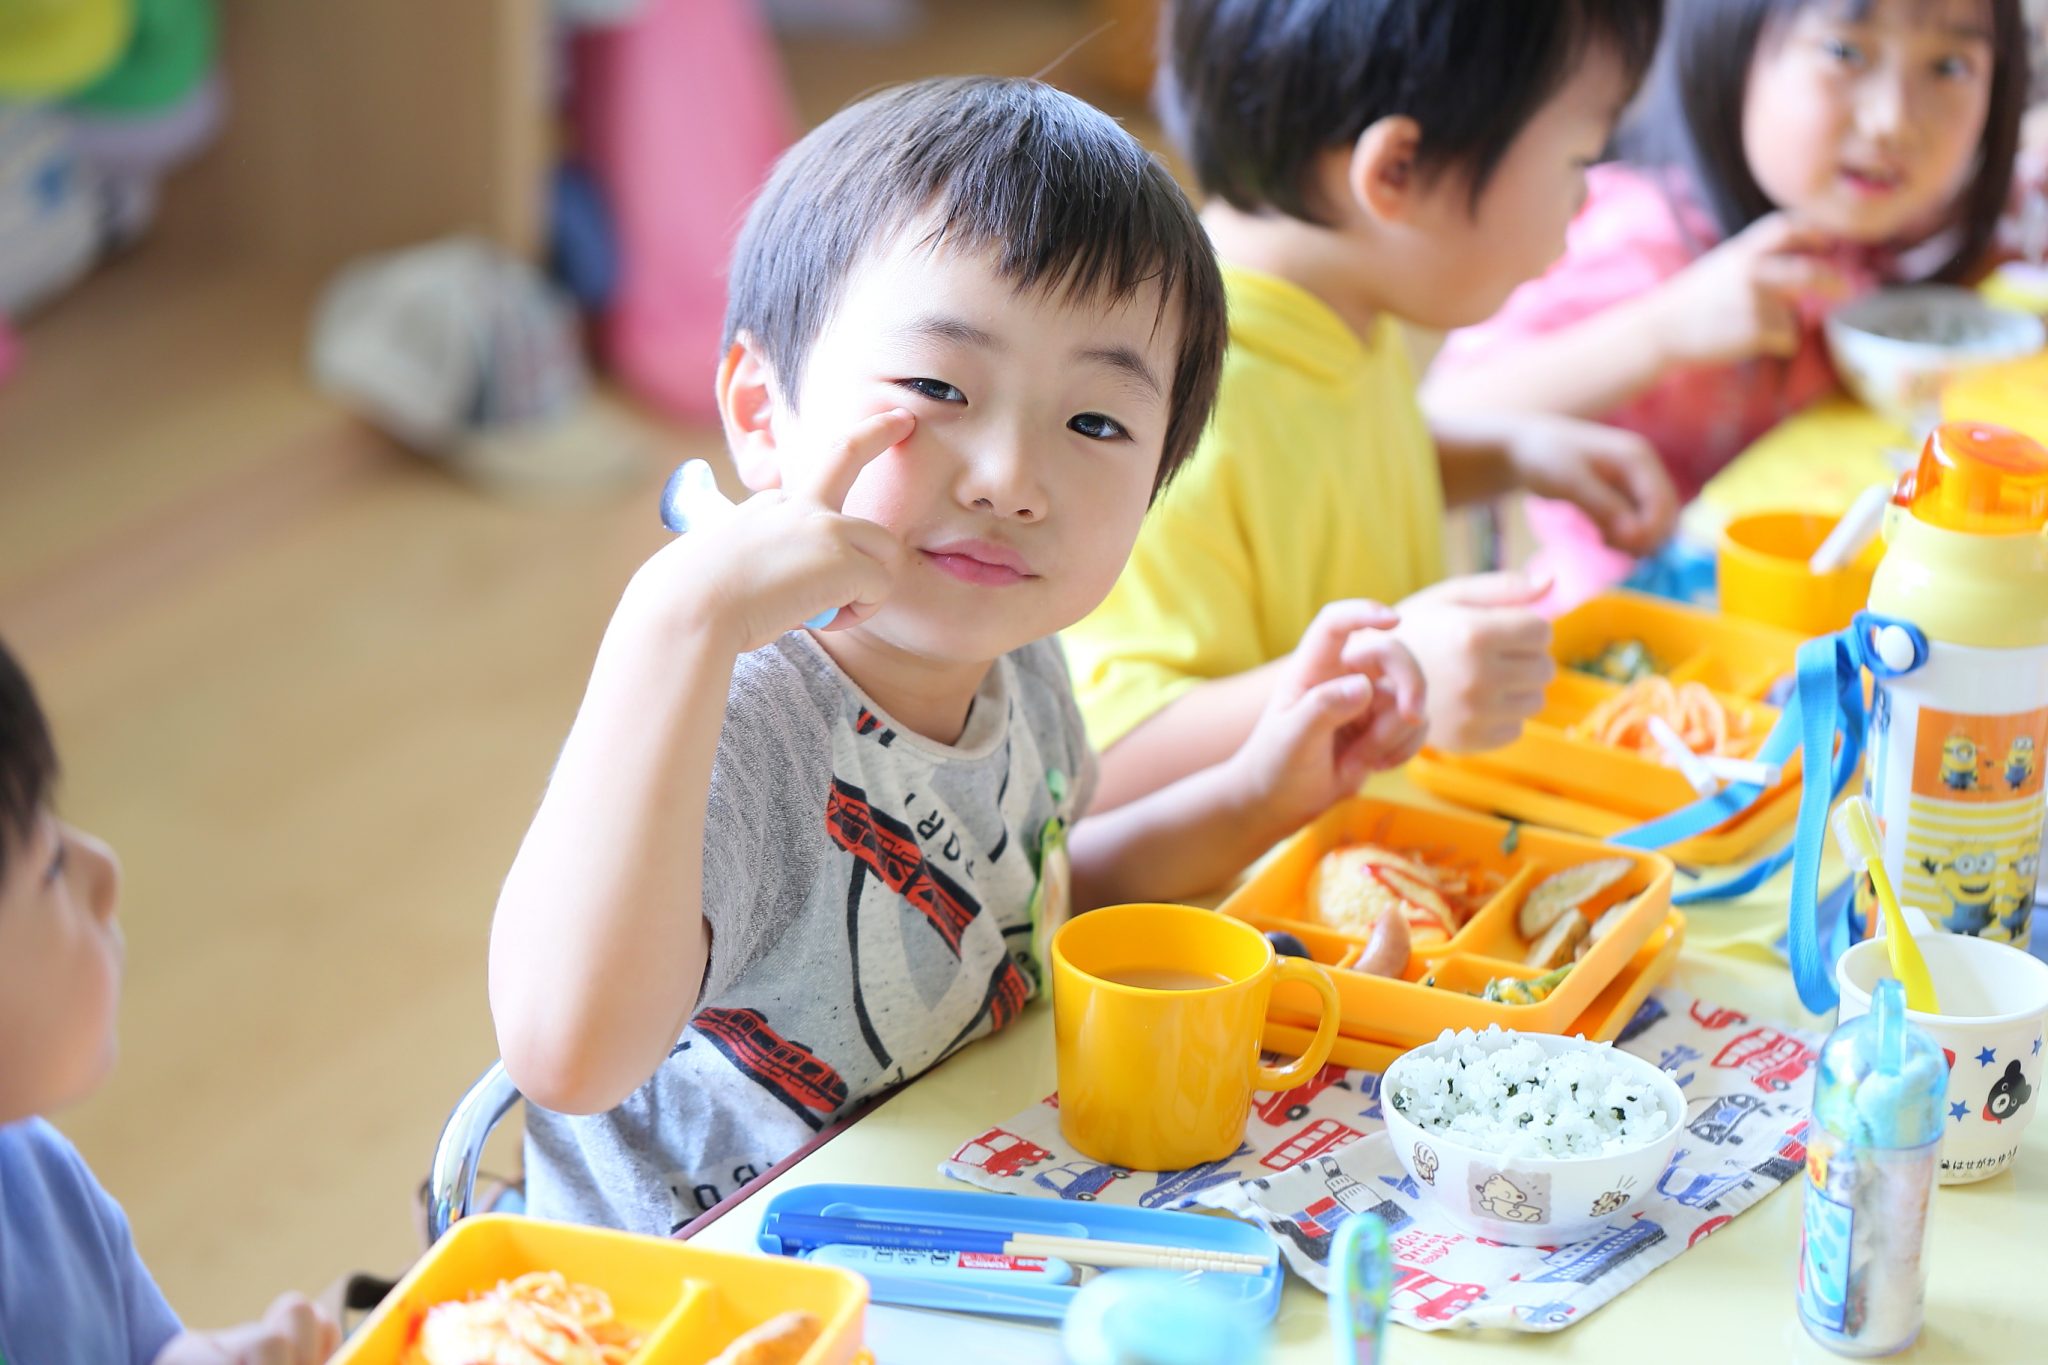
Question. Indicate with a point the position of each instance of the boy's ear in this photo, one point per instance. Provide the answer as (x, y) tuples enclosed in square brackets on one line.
[(1382, 176), (747, 406)]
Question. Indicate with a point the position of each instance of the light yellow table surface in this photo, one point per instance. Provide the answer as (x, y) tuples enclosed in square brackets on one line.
[(1727, 1300), (1816, 461)]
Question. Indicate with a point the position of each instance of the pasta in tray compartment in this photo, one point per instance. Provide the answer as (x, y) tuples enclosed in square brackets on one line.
[(544, 1318), (1707, 725), (540, 1318)]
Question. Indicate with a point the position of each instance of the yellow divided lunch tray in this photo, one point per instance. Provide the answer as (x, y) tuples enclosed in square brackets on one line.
[(686, 1305), (1561, 771), (1488, 869)]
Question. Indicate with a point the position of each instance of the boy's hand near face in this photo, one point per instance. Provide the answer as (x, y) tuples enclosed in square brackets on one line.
[(789, 554), (293, 1332), (1613, 476), (1348, 703), (1486, 655)]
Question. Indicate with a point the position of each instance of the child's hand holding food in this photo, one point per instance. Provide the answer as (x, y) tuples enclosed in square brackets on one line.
[(1612, 475), (1744, 297), (292, 1332), (1349, 702), (1485, 653), (789, 554)]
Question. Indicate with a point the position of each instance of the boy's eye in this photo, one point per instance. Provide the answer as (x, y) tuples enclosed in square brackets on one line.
[(1955, 68), (1096, 427), (938, 390)]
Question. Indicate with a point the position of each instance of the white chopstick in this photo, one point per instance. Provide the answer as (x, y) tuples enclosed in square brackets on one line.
[(1683, 758), (1750, 770), (1097, 1252)]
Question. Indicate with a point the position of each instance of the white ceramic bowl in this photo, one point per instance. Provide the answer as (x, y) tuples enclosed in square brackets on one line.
[(1555, 1199), (1894, 349)]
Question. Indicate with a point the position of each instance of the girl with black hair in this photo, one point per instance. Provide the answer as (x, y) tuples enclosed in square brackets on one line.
[(1785, 155)]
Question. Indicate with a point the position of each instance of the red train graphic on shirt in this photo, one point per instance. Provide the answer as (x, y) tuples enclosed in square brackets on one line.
[(791, 1072), (890, 850)]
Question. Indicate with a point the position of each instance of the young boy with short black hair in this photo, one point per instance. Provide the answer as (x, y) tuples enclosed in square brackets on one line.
[(973, 329)]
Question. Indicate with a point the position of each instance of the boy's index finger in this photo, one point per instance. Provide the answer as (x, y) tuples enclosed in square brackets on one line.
[(832, 477)]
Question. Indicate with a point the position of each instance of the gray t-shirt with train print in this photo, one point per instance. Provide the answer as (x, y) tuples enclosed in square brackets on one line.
[(869, 896)]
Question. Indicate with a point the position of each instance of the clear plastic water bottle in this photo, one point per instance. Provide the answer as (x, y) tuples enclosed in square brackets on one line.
[(1870, 1166)]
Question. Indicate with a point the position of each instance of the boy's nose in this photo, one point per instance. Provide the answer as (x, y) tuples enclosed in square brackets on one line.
[(999, 479), (98, 872)]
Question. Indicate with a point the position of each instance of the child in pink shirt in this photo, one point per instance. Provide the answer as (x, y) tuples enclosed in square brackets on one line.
[(1789, 154)]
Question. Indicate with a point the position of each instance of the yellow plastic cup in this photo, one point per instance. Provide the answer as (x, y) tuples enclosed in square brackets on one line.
[(1764, 576), (1157, 1013)]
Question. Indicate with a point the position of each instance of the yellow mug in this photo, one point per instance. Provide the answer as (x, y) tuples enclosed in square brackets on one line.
[(1764, 575), (1158, 1010)]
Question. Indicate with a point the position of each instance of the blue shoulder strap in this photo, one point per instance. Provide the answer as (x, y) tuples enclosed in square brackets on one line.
[(1826, 704)]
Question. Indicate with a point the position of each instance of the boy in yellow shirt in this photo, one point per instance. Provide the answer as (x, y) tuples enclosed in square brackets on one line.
[(1369, 162)]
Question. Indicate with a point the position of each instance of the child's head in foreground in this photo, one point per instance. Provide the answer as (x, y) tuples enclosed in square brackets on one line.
[(1009, 266), (60, 949), (1884, 122), (1457, 131)]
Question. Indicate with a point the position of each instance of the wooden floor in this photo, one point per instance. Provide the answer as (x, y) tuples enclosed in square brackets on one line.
[(309, 688)]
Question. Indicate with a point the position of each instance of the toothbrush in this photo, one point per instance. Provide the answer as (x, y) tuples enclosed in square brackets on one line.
[(1361, 1283), (1856, 830)]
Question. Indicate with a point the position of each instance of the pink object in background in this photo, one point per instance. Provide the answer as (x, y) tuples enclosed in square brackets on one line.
[(1572, 554), (680, 113)]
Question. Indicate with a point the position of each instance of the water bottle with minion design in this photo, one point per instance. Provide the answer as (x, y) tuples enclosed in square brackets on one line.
[(1957, 633)]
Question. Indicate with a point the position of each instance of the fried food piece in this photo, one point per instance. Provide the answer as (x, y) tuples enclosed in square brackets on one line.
[(782, 1340)]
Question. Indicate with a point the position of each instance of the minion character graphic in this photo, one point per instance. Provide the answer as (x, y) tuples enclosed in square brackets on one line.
[(1969, 879), (1959, 763), (2019, 762), (2015, 888)]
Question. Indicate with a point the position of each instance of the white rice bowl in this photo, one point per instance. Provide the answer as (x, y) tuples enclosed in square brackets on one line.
[(1894, 349), (1531, 1139)]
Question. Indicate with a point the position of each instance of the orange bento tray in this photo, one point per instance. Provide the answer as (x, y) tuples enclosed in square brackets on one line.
[(1555, 778), (1602, 1022), (687, 1303), (1403, 1012)]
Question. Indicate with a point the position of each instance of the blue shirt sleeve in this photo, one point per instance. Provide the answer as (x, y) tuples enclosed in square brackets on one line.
[(72, 1287)]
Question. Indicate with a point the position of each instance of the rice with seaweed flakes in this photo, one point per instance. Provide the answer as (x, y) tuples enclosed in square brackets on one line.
[(1513, 1098)]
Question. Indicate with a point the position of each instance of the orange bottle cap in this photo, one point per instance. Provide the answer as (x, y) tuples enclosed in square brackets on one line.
[(1978, 478)]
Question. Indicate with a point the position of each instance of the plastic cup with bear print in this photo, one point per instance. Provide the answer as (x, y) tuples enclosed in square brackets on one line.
[(1994, 1006), (1157, 1015)]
